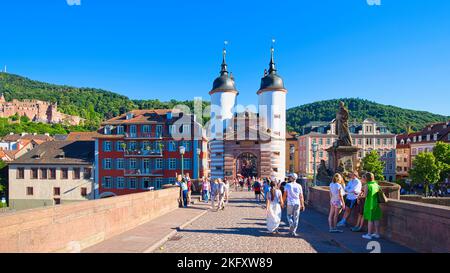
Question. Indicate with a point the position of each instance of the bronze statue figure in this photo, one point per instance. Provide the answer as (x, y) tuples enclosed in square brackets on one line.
[(342, 129)]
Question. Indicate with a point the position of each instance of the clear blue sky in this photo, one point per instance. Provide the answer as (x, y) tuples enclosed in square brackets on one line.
[(397, 53)]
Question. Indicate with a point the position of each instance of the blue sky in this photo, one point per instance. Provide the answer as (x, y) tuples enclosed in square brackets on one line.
[(397, 53)]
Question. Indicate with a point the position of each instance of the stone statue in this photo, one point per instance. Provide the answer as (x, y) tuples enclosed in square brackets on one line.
[(342, 130)]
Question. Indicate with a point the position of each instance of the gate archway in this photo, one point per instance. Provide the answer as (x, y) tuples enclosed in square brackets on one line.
[(247, 165)]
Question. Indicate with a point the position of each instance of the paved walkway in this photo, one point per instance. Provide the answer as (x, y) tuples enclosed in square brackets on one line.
[(146, 237), (240, 228)]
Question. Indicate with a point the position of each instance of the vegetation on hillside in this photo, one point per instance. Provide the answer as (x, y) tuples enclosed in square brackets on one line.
[(396, 119), (96, 105)]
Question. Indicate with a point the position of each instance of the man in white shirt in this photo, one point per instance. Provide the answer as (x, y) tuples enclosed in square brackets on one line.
[(352, 190), (293, 197)]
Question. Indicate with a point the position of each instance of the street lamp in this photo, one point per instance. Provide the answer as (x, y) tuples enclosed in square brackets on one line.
[(182, 151), (199, 161), (292, 152), (314, 149)]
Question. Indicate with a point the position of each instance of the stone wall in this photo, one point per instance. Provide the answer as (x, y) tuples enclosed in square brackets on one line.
[(421, 227), (72, 227), (442, 201)]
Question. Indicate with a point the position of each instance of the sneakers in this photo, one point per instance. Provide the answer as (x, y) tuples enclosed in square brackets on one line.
[(356, 229), (341, 223), (367, 236), (375, 236)]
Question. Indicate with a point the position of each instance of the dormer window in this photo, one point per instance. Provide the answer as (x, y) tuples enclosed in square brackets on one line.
[(107, 129), (129, 115)]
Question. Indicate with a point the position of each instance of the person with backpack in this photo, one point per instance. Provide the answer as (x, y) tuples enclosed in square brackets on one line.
[(257, 189), (372, 210)]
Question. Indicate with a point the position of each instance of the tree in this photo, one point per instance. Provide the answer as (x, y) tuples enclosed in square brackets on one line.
[(426, 169), (442, 154), (372, 163)]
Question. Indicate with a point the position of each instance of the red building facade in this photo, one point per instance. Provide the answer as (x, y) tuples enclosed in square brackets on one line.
[(140, 150)]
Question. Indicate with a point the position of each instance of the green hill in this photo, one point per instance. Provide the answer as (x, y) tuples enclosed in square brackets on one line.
[(395, 118), (92, 104), (96, 105)]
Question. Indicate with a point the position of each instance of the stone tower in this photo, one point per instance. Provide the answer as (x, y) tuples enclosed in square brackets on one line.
[(272, 113), (223, 102)]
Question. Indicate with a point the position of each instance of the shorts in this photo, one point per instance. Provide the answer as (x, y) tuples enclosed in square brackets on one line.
[(257, 192), (350, 203), (336, 204)]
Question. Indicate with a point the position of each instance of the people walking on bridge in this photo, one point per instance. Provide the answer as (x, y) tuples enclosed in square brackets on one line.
[(214, 192), (293, 197), (266, 187), (336, 202), (222, 190), (274, 204), (227, 190), (372, 210), (352, 191), (257, 189), (206, 188)]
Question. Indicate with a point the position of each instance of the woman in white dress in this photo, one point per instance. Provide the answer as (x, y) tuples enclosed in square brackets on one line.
[(274, 204)]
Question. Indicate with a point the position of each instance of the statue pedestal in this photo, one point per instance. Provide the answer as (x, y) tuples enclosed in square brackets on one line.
[(343, 159)]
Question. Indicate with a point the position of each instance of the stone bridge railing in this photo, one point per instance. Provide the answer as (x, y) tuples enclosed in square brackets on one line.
[(421, 227), (73, 227)]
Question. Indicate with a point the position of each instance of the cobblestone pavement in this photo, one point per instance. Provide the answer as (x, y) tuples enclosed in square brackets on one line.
[(241, 228)]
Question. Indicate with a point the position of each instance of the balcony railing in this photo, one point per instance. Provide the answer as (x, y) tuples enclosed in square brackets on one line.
[(143, 172), (144, 152), (151, 135)]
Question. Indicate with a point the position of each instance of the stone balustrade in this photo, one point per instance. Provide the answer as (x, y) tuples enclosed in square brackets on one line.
[(73, 227)]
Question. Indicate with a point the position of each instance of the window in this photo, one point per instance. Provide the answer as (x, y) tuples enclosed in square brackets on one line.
[(186, 128), (187, 164), (57, 191), (133, 130), (328, 141), (172, 163), (107, 182), (52, 173), (84, 192), (379, 141), (120, 182), (30, 191), (64, 173), (133, 163), (132, 183), (187, 145), (20, 173), (159, 164), (107, 164), (57, 201), (360, 141), (87, 173), (320, 141), (159, 130), (34, 173), (107, 146), (120, 130), (120, 164), (145, 183), (132, 145), (44, 173), (172, 146), (146, 129), (120, 146), (76, 173), (320, 154)]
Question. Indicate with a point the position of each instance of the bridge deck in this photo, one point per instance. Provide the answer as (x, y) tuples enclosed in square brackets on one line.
[(240, 228)]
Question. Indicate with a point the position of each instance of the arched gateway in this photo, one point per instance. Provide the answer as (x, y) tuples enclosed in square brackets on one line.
[(247, 165)]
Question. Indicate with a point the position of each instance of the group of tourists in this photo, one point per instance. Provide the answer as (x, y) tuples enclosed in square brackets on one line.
[(360, 195), (186, 188), (217, 190)]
